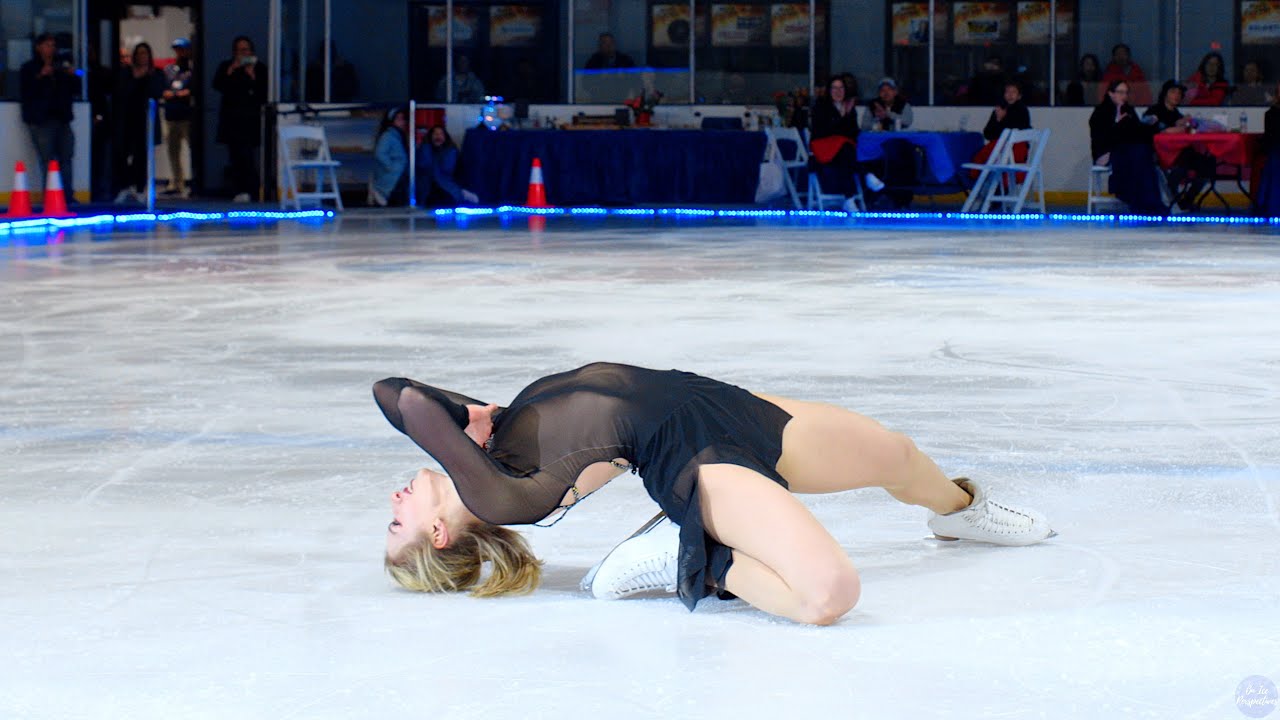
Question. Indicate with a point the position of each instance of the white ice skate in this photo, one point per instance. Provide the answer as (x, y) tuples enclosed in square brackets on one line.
[(986, 520), (643, 562)]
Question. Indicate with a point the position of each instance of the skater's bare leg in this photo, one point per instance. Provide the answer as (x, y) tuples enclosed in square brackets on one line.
[(784, 561), (829, 449)]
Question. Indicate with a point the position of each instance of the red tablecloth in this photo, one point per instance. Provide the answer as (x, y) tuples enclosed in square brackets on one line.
[(1239, 149)]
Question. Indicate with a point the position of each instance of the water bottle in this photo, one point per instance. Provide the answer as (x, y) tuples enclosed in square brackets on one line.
[(1244, 121)]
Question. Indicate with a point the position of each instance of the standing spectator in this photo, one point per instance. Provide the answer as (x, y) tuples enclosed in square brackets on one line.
[(467, 87), (138, 84), (345, 81), (1119, 139), (101, 87), (1208, 86), (1010, 114), (390, 183), (607, 57), (1252, 90), (1084, 90), (889, 110), (179, 107), (1165, 117), (1123, 68), (987, 86), (1267, 197), (242, 80), (437, 160), (47, 86)]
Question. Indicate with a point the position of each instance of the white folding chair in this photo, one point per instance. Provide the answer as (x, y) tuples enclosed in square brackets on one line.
[(977, 193), (1008, 191), (788, 149), (303, 153), (1098, 195)]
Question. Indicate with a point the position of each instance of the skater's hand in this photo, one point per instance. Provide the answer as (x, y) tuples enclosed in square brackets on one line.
[(480, 423)]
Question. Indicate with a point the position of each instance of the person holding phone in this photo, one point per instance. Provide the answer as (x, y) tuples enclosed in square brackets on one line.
[(242, 80), (48, 85)]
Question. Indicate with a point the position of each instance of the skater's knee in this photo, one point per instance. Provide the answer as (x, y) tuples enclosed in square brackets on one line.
[(830, 597)]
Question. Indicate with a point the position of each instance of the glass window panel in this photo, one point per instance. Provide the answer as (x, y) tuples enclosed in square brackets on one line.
[(499, 48), (756, 49), (624, 48), (20, 22), (1256, 39), (908, 36)]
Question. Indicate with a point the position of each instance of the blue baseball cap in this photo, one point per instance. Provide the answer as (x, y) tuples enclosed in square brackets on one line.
[(182, 43)]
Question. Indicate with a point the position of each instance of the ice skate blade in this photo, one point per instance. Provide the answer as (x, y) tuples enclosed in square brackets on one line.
[(589, 578), (944, 538)]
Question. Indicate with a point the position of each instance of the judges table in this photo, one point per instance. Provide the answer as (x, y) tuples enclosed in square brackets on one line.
[(614, 167), (1237, 151), (944, 152)]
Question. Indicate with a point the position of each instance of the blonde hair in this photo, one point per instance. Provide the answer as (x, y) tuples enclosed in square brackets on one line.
[(514, 569)]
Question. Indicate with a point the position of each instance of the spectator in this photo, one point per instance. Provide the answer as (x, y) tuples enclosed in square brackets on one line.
[(101, 87), (242, 80), (344, 81), (1165, 117), (1267, 197), (467, 88), (1251, 90), (834, 144), (1010, 114), (889, 110), (1084, 90), (607, 57), (1208, 86), (179, 107), (1119, 139), (987, 87), (390, 182), (1124, 69), (137, 86), (47, 84), (437, 160)]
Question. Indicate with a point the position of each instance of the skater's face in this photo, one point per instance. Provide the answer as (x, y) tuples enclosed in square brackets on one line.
[(428, 506)]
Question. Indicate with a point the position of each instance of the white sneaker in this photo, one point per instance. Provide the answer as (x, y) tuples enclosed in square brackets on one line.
[(470, 197), (874, 183), (851, 205), (241, 198), (645, 561), (986, 520)]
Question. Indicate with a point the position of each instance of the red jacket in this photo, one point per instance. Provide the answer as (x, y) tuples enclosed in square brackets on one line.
[(1211, 95)]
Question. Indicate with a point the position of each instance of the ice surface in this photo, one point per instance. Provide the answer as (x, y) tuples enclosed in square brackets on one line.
[(194, 477)]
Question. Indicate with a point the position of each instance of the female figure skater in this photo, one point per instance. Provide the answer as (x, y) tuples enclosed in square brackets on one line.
[(718, 460)]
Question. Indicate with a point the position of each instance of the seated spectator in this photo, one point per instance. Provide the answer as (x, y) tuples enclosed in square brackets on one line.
[(1208, 86), (467, 88), (1165, 117), (889, 110), (1119, 139), (390, 184), (1085, 88), (1252, 89), (834, 141), (437, 160), (1010, 114), (1123, 68), (607, 57), (987, 87)]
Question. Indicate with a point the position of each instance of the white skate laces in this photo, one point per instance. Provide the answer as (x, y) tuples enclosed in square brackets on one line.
[(644, 562), (986, 520)]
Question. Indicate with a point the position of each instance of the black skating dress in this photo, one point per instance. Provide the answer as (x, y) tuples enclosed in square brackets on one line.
[(665, 423)]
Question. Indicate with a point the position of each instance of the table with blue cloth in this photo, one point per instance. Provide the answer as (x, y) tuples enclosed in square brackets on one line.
[(614, 167), (944, 152)]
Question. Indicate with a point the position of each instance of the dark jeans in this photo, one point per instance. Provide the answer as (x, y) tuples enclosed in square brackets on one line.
[(55, 141), (244, 168)]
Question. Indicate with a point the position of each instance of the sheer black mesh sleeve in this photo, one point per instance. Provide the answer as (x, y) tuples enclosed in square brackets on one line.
[(435, 420)]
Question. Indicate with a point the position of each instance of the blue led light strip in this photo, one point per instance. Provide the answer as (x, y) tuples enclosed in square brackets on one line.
[(50, 224), (996, 218)]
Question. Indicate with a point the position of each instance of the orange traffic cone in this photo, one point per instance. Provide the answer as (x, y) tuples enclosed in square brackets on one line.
[(537, 191), (20, 198), (55, 200)]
